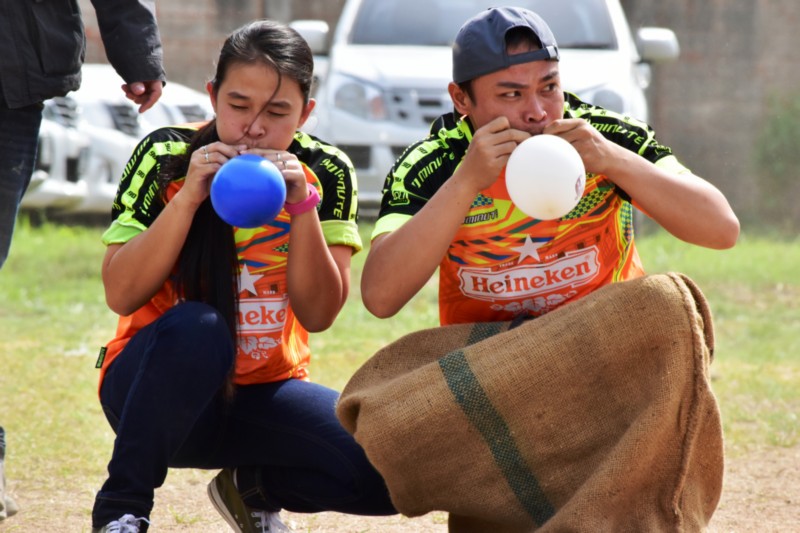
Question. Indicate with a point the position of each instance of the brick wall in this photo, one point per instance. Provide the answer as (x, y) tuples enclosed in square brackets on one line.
[(709, 106), (193, 32)]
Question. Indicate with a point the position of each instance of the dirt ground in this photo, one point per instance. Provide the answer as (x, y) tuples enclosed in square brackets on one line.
[(761, 494)]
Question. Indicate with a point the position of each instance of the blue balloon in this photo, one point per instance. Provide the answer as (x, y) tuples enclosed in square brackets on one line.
[(248, 191)]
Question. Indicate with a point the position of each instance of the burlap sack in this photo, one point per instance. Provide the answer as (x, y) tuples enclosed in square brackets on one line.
[(595, 417)]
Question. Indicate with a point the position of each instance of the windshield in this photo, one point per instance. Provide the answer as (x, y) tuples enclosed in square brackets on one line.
[(575, 23)]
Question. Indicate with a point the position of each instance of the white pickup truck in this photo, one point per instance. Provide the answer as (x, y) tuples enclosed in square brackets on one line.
[(384, 77)]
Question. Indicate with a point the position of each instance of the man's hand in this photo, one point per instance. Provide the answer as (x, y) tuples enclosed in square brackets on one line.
[(684, 204), (489, 151), (599, 155), (144, 93)]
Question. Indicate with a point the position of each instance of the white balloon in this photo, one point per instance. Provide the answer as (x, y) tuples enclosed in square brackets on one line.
[(545, 177)]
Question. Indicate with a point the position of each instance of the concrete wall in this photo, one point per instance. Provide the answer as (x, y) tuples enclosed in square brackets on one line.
[(709, 106)]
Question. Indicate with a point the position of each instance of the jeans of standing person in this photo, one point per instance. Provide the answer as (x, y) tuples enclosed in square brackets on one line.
[(3, 512), (19, 140), (162, 397)]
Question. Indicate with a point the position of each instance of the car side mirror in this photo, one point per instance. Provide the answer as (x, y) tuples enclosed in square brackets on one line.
[(657, 44), (315, 32)]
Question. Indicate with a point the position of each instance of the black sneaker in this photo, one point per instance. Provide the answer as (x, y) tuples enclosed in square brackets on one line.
[(228, 502)]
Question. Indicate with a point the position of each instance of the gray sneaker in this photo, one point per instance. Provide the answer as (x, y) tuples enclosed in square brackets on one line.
[(127, 524), (10, 507), (243, 519), (3, 505)]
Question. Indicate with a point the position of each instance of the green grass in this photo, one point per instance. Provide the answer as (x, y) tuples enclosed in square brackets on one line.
[(53, 319)]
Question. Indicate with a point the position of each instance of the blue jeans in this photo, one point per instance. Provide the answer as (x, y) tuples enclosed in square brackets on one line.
[(19, 139), (162, 397)]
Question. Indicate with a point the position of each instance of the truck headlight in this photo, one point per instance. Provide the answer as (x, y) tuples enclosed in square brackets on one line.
[(358, 98)]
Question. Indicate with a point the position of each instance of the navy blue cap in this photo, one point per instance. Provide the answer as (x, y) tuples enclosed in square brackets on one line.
[(480, 45)]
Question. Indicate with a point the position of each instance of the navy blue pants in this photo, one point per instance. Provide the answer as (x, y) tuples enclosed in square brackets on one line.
[(19, 140), (162, 397)]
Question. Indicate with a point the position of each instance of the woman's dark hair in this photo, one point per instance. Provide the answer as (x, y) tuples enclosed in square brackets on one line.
[(208, 268)]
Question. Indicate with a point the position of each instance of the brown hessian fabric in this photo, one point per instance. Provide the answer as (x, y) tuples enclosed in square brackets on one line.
[(598, 416)]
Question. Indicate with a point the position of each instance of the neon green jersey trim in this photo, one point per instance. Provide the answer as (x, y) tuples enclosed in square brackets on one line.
[(342, 233), (119, 232), (672, 165), (389, 223)]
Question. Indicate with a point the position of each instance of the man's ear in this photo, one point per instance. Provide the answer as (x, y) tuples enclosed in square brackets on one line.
[(460, 98)]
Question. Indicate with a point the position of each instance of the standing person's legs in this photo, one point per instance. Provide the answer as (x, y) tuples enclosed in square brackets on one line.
[(153, 394), (3, 513), (19, 139), (290, 452), (8, 507)]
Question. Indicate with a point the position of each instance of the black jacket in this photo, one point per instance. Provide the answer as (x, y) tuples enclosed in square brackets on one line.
[(42, 46)]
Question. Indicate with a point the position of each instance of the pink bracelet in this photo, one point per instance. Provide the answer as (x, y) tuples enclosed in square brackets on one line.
[(308, 204)]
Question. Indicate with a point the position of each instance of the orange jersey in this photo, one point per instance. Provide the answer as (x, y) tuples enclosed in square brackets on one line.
[(272, 344), (503, 263)]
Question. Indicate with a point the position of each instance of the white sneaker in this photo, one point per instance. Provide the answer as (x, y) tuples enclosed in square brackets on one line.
[(276, 525), (127, 524), (270, 522)]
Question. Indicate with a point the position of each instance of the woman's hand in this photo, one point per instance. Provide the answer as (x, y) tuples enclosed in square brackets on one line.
[(203, 166), (291, 169)]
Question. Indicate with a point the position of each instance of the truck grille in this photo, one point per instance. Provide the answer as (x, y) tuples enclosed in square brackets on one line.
[(126, 119), (194, 113), (65, 111), (417, 108), (361, 156)]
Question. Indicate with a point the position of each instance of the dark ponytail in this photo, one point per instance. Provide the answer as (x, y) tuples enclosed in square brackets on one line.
[(207, 269)]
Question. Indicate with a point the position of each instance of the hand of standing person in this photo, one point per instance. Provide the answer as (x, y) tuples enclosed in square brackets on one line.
[(144, 93)]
